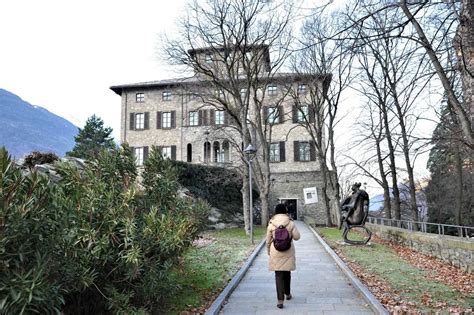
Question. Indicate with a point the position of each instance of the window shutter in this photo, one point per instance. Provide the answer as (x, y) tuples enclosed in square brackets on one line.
[(132, 121), (311, 114), (158, 120), (205, 118), (296, 150), (147, 120), (200, 122), (265, 114), (173, 152), (312, 151), (212, 117), (173, 119), (145, 154), (282, 151), (133, 151), (226, 118), (295, 114), (281, 117)]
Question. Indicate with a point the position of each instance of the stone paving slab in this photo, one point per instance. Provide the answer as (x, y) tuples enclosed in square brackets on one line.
[(318, 285)]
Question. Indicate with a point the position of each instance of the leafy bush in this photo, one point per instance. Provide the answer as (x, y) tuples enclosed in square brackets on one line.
[(92, 243), (220, 186)]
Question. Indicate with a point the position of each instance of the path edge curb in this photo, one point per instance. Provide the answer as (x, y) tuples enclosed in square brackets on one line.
[(219, 301), (375, 305)]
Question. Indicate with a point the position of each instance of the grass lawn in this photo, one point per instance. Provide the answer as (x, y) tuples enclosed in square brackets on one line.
[(411, 285), (207, 267)]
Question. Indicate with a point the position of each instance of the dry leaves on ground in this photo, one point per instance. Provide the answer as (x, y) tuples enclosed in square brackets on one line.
[(438, 269)]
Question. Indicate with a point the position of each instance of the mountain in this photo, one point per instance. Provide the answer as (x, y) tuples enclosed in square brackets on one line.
[(25, 128)]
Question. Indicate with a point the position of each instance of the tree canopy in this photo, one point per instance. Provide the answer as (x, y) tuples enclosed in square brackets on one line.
[(92, 139)]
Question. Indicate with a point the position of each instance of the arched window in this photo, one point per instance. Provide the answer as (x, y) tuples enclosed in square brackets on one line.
[(226, 151), (207, 152), (190, 152), (218, 156)]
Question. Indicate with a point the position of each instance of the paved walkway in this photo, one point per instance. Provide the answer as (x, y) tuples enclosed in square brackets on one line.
[(318, 285)]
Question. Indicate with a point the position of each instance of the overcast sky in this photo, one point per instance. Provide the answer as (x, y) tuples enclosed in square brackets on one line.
[(64, 55)]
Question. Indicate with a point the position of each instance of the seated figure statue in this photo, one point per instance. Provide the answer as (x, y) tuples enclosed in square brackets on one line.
[(354, 212)]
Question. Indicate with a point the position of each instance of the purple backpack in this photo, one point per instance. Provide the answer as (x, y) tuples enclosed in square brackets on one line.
[(282, 240)]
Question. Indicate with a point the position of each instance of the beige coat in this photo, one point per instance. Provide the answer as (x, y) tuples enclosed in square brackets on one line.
[(281, 261)]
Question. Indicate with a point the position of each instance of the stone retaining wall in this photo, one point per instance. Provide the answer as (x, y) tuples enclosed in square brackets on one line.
[(457, 251)]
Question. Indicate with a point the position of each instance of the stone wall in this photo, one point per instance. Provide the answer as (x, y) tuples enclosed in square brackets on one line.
[(290, 186), (457, 251)]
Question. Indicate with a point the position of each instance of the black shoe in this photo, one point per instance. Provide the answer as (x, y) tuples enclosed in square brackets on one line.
[(289, 297), (280, 305)]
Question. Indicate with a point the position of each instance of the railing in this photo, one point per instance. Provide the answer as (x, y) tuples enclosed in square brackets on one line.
[(426, 227)]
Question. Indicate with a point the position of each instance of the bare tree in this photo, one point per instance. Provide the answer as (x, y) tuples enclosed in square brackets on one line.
[(431, 51), (429, 24), (240, 36), (331, 58)]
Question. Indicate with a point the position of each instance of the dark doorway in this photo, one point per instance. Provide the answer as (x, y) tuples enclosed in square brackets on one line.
[(292, 208)]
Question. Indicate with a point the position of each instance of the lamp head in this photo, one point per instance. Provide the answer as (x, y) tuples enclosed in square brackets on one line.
[(250, 151)]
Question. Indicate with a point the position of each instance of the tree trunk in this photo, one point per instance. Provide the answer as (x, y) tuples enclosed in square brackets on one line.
[(459, 188), (327, 205), (264, 201), (386, 189), (393, 169), (334, 181), (406, 153)]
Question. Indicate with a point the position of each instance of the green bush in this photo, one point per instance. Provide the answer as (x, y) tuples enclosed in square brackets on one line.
[(94, 242), (219, 186)]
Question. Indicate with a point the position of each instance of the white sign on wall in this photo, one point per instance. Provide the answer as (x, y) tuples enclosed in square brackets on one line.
[(310, 195)]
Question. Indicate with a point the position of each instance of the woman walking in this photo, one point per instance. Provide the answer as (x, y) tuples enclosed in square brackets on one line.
[(282, 259)]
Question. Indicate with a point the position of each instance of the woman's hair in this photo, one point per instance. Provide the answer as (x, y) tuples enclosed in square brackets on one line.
[(281, 208)]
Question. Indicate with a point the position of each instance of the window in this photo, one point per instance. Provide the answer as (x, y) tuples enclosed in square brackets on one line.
[(140, 97), (274, 152), (273, 115), (249, 55), (272, 90), (243, 93), (219, 116), (301, 88), (304, 151), (219, 93), (218, 153), (207, 152), (193, 119), (166, 120), (208, 58), (303, 113), (166, 96), (139, 156), (166, 152), (140, 121), (190, 152)]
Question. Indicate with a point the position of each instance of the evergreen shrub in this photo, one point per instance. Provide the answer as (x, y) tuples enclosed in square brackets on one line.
[(93, 243), (221, 187)]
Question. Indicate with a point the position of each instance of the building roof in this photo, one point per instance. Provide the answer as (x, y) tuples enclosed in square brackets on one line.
[(194, 51), (196, 80)]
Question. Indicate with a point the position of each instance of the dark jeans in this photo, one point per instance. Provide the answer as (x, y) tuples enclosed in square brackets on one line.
[(283, 283)]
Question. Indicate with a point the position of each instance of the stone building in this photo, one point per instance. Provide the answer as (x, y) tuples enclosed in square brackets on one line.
[(174, 116)]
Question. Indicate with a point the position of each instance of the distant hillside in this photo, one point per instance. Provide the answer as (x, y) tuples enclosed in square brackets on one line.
[(26, 128)]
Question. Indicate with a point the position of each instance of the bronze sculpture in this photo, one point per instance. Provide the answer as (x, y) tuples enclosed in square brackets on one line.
[(354, 212)]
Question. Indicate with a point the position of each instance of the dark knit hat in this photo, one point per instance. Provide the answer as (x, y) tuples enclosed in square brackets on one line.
[(281, 208)]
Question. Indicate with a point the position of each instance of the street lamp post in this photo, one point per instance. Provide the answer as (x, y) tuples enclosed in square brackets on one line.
[(250, 152)]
